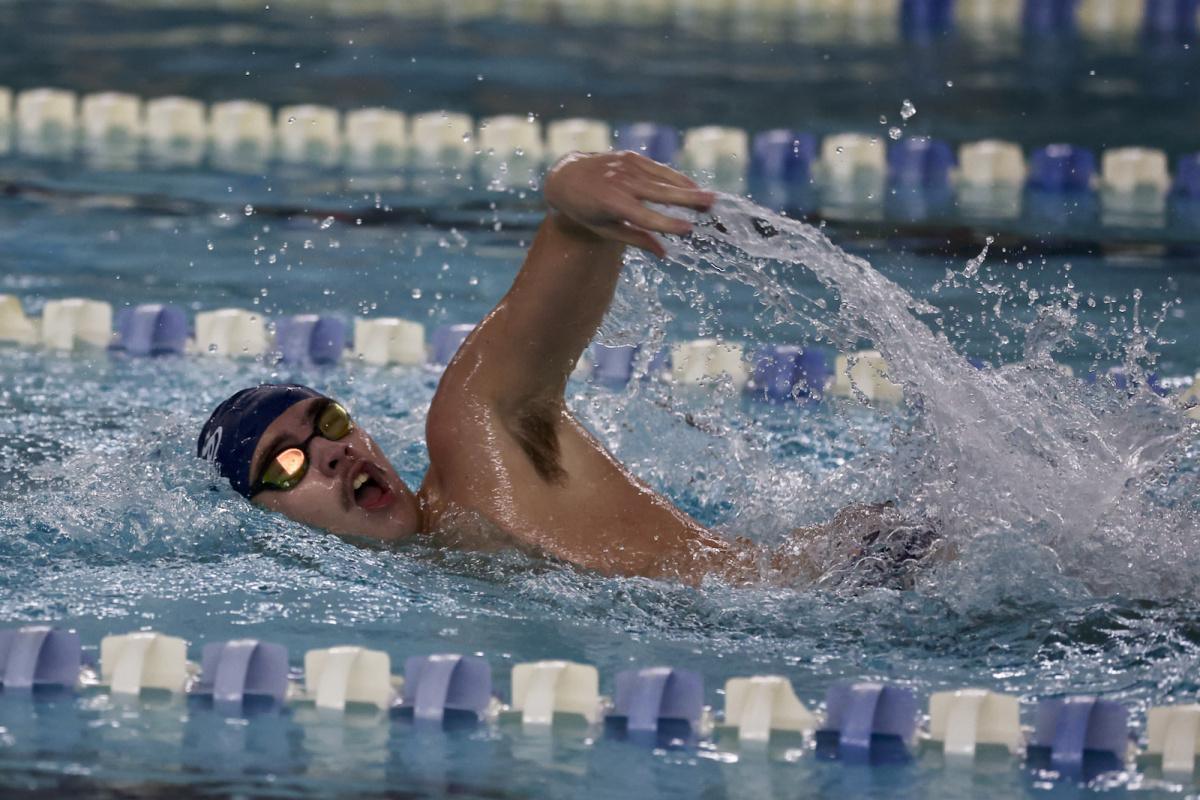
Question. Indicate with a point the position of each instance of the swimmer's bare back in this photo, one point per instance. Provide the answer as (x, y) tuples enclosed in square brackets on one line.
[(503, 444)]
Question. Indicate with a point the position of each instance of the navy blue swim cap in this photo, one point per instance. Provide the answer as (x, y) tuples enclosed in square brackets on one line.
[(232, 432)]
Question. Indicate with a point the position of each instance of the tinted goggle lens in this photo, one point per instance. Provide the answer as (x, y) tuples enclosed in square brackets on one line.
[(287, 468)]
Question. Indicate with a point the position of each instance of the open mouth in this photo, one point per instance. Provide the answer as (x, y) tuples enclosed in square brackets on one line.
[(369, 491)]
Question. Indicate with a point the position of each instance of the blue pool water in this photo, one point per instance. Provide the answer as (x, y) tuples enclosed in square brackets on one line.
[(1076, 577)]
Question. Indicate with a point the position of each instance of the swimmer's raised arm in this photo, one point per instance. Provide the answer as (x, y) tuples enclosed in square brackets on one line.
[(526, 348)]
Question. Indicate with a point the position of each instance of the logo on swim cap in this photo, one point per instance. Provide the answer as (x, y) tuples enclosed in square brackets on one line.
[(211, 445)]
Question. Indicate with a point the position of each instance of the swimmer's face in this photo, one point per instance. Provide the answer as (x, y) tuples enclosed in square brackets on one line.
[(332, 495)]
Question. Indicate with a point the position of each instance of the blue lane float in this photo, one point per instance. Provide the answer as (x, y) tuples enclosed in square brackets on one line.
[(1062, 169), (784, 156), (1080, 736), (657, 701), (151, 329), (1171, 18), (310, 339), (242, 670), (613, 365), (1049, 17), (39, 657), (789, 372), (659, 142), (868, 722), (1187, 178), (921, 162), (443, 688), (445, 341), (922, 18), (1122, 381)]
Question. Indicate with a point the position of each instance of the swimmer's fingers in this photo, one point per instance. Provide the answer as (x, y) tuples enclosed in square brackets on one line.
[(651, 220), (631, 235), (661, 172), (667, 194)]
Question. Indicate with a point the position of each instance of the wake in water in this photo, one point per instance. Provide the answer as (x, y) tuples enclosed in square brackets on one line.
[(1039, 481)]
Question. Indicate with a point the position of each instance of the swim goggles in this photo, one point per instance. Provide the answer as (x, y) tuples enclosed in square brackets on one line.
[(287, 468)]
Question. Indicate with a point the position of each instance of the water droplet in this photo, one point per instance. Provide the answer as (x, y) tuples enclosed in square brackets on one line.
[(895, 133), (882, 119), (907, 109), (327, 223), (248, 210), (416, 294), (949, 84)]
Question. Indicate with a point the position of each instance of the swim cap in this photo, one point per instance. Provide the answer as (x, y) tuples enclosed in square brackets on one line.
[(232, 432)]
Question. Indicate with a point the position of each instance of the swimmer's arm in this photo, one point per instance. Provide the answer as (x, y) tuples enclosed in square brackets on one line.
[(527, 347)]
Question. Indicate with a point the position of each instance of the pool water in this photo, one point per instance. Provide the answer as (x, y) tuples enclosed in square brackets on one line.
[(1073, 507)]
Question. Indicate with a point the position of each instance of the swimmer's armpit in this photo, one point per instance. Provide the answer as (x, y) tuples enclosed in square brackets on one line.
[(535, 428)]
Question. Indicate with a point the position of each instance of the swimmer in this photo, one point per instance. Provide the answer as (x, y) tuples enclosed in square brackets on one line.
[(509, 464)]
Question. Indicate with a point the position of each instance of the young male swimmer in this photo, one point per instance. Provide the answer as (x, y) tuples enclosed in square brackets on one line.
[(508, 462)]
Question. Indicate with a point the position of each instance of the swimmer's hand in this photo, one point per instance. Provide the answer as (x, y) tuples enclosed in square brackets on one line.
[(606, 194)]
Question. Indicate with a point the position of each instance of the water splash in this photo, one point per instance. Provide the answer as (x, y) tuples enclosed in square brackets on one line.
[(1085, 481)]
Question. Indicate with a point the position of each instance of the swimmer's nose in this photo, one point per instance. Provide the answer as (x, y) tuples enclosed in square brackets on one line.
[(328, 457)]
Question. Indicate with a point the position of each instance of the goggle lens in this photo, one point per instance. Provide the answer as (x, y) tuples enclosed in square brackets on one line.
[(334, 422), (287, 469)]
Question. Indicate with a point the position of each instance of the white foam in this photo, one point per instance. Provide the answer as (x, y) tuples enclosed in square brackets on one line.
[(439, 136), (389, 340), (511, 136), (14, 325), (376, 138), (309, 134), (46, 122), (707, 360), (867, 375), (231, 332), (241, 133), (176, 130), (570, 135), (73, 321)]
